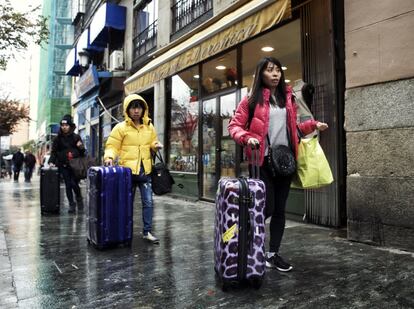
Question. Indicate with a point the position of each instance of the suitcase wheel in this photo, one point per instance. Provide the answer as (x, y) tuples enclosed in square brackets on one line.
[(225, 287), (256, 283)]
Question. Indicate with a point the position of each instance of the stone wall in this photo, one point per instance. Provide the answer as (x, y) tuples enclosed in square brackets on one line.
[(379, 121)]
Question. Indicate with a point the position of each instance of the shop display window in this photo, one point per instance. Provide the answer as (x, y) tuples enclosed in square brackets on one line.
[(81, 118), (184, 121), (95, 111), (283, 44), (219, 73)]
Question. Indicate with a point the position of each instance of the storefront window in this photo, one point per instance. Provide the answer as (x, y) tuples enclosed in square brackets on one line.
[(184, 121), (220, 73), (282, 44), (81, 118), (94, 111)]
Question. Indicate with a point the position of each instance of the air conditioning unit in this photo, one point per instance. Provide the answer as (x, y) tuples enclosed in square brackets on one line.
[(116, 60)]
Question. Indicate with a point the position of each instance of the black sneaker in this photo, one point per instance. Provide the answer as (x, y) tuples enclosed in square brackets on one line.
[(277, 262)]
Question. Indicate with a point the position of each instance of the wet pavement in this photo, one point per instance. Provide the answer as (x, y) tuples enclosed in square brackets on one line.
[(46, 262)]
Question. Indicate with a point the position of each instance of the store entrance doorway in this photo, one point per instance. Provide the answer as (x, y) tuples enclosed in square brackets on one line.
[(218, 149)]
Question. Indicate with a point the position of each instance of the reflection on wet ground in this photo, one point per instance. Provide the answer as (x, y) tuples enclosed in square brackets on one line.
[(52, 265)]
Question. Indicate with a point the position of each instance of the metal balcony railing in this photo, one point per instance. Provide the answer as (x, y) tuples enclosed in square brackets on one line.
[(146, 40), (185, 12)]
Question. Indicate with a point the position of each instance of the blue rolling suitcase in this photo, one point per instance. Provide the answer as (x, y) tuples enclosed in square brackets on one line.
[(109, 206)]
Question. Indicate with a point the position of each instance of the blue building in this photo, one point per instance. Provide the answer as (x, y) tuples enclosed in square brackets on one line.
[(96, 64)]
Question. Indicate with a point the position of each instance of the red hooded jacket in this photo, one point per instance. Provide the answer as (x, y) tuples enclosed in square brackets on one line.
[(259, 125)]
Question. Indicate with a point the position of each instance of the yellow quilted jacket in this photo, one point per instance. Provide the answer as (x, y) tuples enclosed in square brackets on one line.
[(132, 144)]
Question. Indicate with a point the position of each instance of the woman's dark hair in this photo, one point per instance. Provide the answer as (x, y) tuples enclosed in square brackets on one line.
[(256, 95)]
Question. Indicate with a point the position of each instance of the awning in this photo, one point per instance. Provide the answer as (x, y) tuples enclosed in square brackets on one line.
[(247, 21), (87, 101), (72, 66), (84, 43), (106, 17)]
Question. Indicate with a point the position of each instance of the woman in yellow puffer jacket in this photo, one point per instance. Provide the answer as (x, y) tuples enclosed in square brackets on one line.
[(131, 141)]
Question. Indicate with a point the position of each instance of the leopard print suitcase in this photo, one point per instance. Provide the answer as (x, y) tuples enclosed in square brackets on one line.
[(239, 237)]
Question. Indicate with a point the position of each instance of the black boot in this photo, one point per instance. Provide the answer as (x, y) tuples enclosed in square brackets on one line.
[(79, 202), (72, 208)]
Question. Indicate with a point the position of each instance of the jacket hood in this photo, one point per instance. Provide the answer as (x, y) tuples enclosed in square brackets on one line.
[(135, 97)]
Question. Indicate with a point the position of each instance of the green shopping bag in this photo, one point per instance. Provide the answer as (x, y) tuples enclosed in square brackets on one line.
[(313, 169)]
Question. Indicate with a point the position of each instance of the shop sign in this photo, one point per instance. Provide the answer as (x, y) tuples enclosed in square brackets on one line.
[(233, 35), (87, 82)]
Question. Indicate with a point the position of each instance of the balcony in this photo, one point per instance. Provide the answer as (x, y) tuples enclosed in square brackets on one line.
[(64, 35), (145, 41), (187, 14), (63, 10)]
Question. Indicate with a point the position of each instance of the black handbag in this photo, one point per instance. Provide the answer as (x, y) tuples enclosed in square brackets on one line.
[(80, 166), (161, 178), (282, 160)]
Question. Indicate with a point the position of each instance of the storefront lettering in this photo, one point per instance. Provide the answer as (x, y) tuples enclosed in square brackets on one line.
[(87, 82), (225, 39)]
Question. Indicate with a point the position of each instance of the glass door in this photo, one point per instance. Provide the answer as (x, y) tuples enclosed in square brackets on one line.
[(209, 128), (219, 149), (227, 149)]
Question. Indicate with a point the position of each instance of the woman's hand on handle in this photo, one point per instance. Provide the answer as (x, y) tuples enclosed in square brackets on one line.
[(253, 142), (108, 162), (321, 126), (158, 145)]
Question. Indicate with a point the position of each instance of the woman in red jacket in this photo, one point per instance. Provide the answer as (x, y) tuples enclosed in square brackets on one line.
[(270, 111)]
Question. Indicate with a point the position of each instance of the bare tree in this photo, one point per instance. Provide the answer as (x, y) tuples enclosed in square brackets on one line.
[(17, 30), (12, 112)]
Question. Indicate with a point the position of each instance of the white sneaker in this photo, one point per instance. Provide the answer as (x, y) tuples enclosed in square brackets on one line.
[(151, 238)]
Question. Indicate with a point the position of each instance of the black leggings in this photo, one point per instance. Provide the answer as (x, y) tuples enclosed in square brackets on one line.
[(277, 192)]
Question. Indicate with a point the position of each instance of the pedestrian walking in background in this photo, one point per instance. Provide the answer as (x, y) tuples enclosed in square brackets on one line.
[(8, 164), (267, 117), (18, 159), (29, 165), (131, 142), (66, 146)]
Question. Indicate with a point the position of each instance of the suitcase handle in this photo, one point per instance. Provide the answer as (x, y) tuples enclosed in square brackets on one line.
[(255, 162)]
